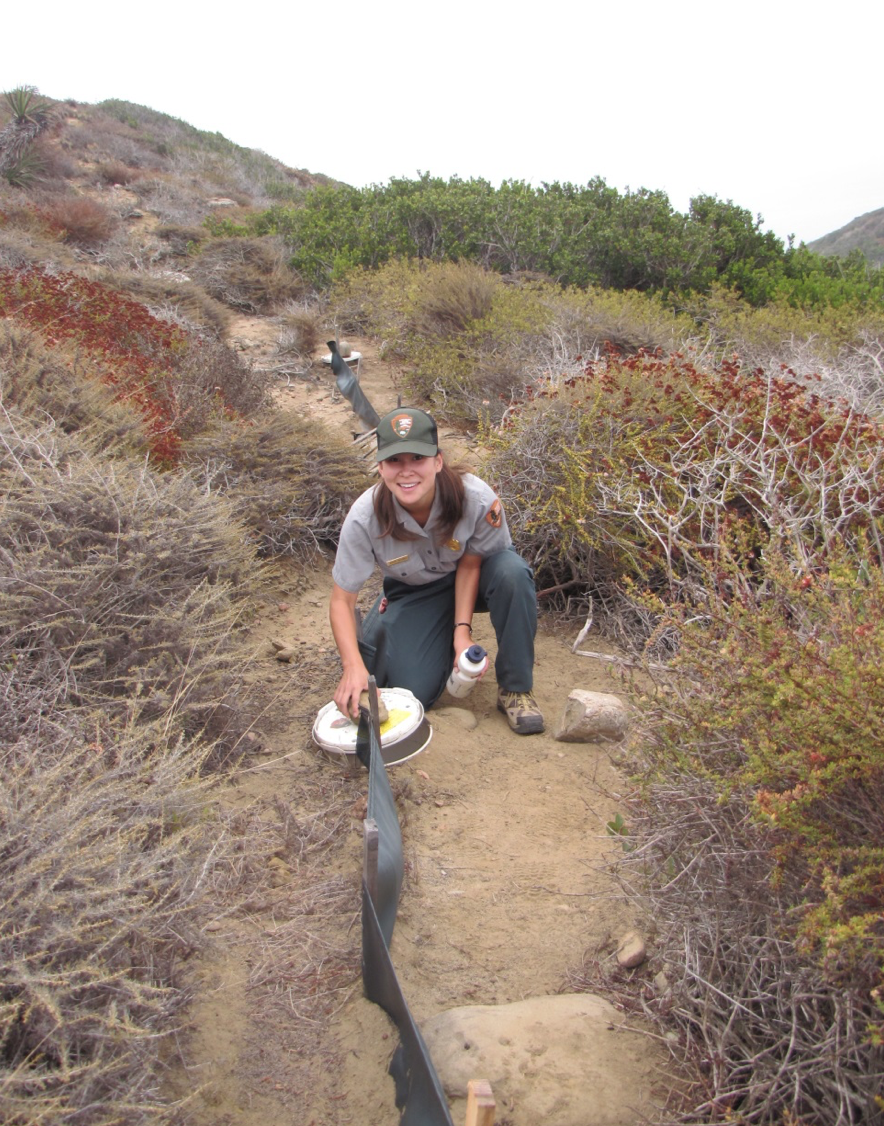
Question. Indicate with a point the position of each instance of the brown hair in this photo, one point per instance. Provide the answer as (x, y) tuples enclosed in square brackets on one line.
[(450, 490)]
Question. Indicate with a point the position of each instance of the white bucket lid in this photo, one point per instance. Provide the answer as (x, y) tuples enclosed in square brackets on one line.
[(405, 734)]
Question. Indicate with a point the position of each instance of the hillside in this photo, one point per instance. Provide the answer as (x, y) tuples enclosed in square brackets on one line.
[(865, 233), (684, 421), (277, 1029)]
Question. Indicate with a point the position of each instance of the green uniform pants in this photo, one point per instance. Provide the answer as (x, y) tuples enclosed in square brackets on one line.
[(407, 635)]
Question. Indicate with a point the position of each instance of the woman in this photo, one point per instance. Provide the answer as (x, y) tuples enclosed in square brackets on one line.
[(442, 544)]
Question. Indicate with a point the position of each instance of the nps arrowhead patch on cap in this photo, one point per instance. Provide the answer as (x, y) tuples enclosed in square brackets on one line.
[(407, 430), (401, 424)]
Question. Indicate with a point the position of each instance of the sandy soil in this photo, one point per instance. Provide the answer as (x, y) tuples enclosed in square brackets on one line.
[(507, 887)]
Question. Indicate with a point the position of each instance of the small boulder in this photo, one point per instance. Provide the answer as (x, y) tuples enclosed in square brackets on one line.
[(631, 950), (562, 1060), (592, 717)]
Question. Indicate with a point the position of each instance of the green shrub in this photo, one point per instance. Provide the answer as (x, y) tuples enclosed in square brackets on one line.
[(759, 334), (581, 235), (475, 344), (637, 470), (381, 302), (452, 298), (758, 832)]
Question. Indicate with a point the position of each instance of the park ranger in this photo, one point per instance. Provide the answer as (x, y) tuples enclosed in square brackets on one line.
[(440, 539)]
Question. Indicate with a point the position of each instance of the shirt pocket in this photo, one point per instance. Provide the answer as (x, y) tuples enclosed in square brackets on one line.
[(404, 566), (449, 553)]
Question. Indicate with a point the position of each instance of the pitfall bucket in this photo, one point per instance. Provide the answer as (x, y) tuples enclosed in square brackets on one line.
[(405, 734)]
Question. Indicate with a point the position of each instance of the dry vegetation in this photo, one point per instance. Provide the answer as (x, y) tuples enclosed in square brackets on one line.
[(129, 565), (719, 515), (728, 526)]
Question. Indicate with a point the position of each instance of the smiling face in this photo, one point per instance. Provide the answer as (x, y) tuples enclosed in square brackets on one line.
[(411, 478)]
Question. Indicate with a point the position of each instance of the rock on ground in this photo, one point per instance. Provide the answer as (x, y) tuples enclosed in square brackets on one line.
[(564, 1060), (592, 717)]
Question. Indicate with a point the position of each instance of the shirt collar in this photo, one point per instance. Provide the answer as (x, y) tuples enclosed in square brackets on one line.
[(411, 524)]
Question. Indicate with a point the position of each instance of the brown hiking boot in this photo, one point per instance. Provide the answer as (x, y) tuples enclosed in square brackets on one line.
[(521, 711)]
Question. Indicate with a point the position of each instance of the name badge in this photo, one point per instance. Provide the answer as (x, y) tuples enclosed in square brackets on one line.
[(398, 559)]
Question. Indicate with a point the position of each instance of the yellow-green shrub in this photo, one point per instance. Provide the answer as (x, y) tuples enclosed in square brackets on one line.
[(475, 343), (759, 831), (637, 469)]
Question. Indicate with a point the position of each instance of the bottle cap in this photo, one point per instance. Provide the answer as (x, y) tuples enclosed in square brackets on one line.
[(476, 654)]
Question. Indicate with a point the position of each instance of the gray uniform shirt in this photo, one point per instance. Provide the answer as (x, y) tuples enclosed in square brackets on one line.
[(482, 530)]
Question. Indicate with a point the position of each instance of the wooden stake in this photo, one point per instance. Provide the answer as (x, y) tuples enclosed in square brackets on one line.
[(370, 840), (480, 1103)]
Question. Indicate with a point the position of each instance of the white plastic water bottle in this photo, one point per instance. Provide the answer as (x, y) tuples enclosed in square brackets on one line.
[(470, 665)]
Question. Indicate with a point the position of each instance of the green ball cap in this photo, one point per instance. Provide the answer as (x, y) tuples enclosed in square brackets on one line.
[(407, 431)]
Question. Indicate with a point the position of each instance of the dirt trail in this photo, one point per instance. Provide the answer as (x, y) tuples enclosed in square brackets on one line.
[(507, 866)]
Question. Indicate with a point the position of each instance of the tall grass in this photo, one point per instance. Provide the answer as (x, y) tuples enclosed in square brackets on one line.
[(122, 688)]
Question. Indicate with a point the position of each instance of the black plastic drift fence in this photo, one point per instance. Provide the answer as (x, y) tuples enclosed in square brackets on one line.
[(419, 1093)]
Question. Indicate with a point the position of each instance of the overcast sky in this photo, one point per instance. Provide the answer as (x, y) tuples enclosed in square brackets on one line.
[(774, 105)]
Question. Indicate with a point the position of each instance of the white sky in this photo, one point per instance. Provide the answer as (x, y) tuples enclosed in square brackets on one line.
[(774, 105)]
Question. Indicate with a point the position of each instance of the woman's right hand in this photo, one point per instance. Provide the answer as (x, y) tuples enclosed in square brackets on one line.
[(351, 685), (342, 616)]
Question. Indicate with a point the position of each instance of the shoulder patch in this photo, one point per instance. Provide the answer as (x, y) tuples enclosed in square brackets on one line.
[(494, 515)]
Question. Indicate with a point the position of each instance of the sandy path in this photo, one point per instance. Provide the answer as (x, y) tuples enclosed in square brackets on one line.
[(507, 868)]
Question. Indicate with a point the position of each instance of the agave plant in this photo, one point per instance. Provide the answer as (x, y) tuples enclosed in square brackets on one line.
[(30, 117), (26, 110)]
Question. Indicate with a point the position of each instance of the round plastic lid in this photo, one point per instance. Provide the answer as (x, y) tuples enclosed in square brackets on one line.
[(333, 731)]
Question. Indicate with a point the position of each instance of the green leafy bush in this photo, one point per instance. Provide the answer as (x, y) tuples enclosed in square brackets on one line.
[(581, 235), (758, 834), (638, 469)]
